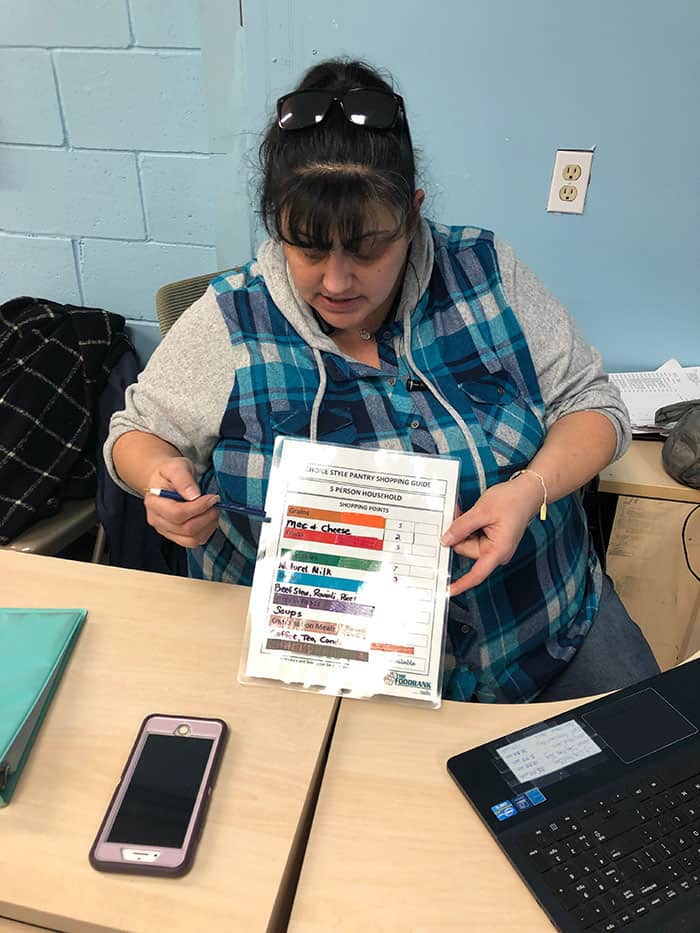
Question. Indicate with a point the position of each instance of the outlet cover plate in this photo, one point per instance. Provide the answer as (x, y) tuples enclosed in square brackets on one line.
[(570, 178)]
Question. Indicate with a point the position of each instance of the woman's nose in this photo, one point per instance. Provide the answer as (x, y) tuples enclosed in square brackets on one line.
[(337, 272)]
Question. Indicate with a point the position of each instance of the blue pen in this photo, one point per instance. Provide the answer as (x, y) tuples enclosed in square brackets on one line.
[(253, 513)]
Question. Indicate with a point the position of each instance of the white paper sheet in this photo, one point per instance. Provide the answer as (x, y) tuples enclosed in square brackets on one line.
[(691, 373), (350, 588), (645, 392)]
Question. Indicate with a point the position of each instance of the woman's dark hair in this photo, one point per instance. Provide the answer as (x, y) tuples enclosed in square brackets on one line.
[(329, 177)]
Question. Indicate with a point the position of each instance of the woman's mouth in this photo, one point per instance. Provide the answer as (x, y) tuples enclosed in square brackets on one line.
[(338, 304)]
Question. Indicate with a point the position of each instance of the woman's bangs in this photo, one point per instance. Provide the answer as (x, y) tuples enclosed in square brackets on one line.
[(322, 207)]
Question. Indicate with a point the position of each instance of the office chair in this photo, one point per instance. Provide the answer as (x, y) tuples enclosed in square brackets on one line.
[(600, 515), (52, 535), (174, 298)]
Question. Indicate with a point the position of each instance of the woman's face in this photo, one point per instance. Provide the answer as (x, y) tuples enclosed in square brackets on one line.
[(353, 290)]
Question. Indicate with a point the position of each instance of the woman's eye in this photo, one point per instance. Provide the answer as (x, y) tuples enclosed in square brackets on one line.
[(368, 255), (368, 252), (312, 255)]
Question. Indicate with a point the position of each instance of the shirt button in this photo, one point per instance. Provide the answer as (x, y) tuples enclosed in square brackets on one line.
[(386, 336), (415, 424), (465, 629), (391, 381), (500, 390)]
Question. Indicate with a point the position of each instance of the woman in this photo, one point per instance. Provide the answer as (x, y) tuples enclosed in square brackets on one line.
[(361, 323)]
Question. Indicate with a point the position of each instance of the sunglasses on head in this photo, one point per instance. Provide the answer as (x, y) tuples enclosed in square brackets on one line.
[(373, 109)]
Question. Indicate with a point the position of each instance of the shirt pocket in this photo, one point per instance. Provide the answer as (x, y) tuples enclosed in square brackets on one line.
[(335, 425), (290, 422), (512, 426)]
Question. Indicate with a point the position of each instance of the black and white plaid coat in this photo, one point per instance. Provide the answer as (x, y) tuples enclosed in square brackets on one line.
[(54, 361)]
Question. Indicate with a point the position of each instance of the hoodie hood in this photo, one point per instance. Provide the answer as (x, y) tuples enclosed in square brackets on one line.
[(274, 269)]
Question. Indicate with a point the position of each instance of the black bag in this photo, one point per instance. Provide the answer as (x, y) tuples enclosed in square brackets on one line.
[(54, 362), (681, 450)]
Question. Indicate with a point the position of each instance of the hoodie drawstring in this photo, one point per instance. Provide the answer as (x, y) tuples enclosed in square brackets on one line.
[(320, 392)]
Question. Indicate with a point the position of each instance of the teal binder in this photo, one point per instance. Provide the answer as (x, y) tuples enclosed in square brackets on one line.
[(35, 645)]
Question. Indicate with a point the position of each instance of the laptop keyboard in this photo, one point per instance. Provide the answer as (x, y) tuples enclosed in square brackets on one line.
[(617, 857)]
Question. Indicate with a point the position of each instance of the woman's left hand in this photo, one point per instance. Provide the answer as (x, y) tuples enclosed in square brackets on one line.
[(491, 530)]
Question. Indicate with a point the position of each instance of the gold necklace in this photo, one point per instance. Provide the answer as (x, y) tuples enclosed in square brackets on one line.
[(364, 334)]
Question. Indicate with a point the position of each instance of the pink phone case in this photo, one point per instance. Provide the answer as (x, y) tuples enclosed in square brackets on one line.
[(186, 864)]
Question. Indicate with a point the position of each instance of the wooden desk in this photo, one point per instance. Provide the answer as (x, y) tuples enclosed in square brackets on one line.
[(640, 472), (395, 846), (14, 926), (645, 556), (153, 643)]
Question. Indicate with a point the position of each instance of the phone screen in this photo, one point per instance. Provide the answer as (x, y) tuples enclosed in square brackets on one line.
[(158, 803)]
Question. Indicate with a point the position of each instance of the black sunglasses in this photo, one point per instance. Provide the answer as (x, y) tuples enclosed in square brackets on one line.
[(374, 109)]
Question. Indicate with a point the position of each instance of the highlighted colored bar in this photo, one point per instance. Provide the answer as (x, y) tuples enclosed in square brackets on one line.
[(322, 628), (312, 579), (332, 560), (323, 651), (323, 537), (397, 649), (345, 518), (328, 605)]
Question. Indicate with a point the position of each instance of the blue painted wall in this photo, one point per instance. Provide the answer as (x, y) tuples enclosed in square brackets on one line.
[(105, 180), (492, 90), (116, 177)]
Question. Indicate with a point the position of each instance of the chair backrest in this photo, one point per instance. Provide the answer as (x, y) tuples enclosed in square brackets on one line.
[(75, 518), (174, 298)]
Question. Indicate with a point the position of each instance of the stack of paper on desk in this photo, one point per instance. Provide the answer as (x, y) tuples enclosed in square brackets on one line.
[(645, 392)]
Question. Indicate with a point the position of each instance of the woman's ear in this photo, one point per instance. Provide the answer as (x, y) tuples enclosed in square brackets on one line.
[(418, 199)]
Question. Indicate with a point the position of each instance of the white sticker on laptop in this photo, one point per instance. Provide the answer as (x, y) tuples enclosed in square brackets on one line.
[(550, 750)]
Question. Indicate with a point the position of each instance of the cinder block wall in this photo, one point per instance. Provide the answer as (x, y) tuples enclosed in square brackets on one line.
[(105, 184)]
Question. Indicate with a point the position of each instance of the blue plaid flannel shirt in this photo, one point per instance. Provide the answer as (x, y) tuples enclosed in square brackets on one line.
[(510, 636)]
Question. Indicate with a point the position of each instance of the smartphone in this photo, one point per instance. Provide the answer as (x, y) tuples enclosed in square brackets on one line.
[(155, 817)]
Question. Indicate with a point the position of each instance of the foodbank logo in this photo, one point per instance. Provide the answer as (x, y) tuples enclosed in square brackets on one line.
[(397, 679)]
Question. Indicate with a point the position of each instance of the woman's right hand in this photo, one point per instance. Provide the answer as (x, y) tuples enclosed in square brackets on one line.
[(189, 523)]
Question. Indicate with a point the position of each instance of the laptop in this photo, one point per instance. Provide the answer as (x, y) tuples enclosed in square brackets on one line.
[(598, 808)]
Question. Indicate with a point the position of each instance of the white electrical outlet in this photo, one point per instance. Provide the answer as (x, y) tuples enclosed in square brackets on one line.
[(570, 178)]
